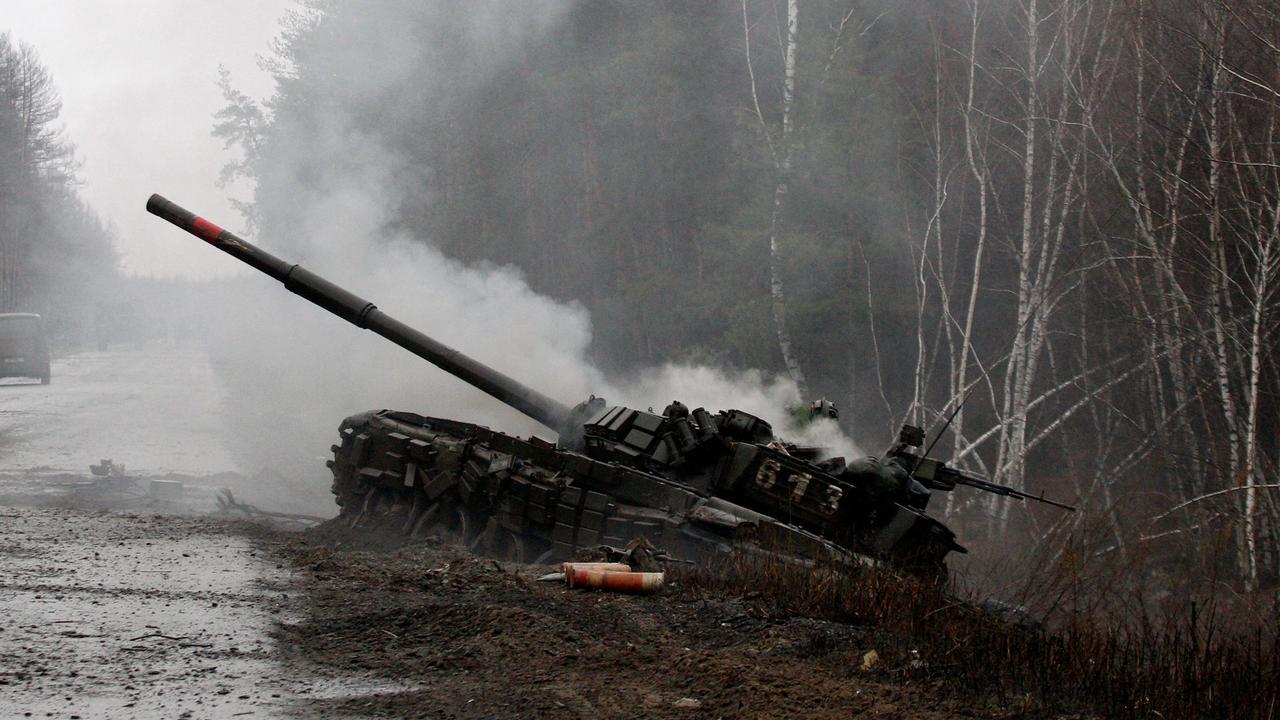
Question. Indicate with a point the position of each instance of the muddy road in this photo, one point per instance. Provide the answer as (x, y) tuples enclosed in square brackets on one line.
[(125, 615), (157, 411), (117, 600)]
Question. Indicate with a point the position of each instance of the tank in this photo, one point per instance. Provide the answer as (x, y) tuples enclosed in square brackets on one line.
[(695, 484)]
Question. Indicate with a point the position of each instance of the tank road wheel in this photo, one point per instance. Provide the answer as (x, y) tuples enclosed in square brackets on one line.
[(513, 547), (416, 510), (456, 524), (372, 500), (425, 520), (502, 544)]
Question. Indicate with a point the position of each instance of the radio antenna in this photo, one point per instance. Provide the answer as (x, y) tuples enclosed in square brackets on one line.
[(945, 425)]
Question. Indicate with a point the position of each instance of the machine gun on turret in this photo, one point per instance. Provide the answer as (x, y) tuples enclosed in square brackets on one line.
[(937, 475)]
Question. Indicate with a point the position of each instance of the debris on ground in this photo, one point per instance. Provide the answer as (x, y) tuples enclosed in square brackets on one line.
[(639, 554), (452, 635), (227, 504), (636, 583), (567, 568), (606, 576), (165, 489), (870, 660), (105, 467)]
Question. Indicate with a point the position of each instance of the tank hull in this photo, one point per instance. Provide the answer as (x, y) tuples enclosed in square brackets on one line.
[(528, 500)]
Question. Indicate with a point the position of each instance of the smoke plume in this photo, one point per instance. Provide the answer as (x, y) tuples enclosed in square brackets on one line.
[(293, 371)]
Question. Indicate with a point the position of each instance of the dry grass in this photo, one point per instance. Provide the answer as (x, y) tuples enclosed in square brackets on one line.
[(1192, 661)]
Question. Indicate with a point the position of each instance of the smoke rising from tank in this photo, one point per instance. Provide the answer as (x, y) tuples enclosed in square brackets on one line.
[(293, 371)]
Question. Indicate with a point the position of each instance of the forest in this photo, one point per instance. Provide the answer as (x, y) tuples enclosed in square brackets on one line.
[(56, 255), (1054, 223)]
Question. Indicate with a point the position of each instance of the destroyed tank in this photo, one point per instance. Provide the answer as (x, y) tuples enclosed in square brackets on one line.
[(695, 484)]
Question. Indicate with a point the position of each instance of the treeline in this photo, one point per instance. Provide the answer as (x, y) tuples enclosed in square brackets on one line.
[(54, 251), (1065, 213)]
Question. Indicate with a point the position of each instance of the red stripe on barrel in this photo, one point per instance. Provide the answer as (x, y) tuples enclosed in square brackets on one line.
[(205, 230)]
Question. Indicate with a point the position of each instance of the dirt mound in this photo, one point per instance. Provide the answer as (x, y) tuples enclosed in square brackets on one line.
[(458, 636)]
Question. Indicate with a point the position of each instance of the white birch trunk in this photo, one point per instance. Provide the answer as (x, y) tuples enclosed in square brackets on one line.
[(777, 259), (975, 277), (1017, 380)]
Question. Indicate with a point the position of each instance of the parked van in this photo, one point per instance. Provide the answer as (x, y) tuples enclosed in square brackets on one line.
[(24, 351)]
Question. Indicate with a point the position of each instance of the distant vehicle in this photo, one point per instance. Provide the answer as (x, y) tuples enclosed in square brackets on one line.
[(24, 350)]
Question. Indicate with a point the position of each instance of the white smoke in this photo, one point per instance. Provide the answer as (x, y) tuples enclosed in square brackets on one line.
[(294, 371)]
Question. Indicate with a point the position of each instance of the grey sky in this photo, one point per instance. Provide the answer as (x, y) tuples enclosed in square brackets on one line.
[(137, 83)]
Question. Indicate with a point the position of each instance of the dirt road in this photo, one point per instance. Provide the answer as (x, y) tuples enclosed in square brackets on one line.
[(114, 602), (156, 410), (121, 615)]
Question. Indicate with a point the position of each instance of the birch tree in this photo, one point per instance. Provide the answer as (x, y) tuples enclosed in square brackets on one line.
[(1198, 175), (1020, 134), (781, 152)]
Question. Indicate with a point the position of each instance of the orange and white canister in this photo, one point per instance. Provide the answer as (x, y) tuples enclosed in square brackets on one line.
[(614, 581), (610, 566)]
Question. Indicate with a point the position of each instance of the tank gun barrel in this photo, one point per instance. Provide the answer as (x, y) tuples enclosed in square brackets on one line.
[(364, 314)]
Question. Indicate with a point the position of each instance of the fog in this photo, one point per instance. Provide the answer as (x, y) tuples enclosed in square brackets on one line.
[(137, 84)]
